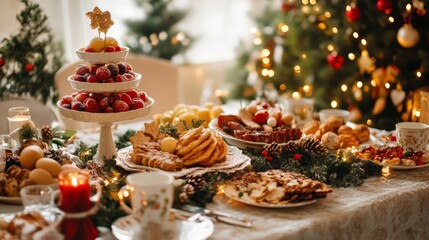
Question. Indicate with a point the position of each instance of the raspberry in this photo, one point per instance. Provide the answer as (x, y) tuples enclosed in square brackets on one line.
[(261, 117), (88, 49), (109, 49), (102, 73), (121, 78), (120, 106), (129, 76), (91, 106), (94, 67), (97, 96), (78, 78), (108, 110), (81, 69), (114, 70), (133, 93), (126, 98), (137, 103), (92, 79), (77, 105), (66, 100), (109, 80), (66, 105), (103, 103), (143, 96), (128, 66), (81, 97), (118, 49)]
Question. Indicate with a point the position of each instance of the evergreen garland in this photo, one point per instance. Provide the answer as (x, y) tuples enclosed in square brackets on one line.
[(338, 170), (30, 58)]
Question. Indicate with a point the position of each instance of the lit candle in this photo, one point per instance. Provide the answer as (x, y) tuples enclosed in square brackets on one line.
[(75, 193), (17, 117)]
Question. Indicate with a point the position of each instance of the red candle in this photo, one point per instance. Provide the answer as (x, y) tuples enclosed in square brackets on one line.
[(75, 193)]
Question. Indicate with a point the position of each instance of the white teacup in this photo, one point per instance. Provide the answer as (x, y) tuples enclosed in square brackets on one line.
[(326, 113), (151, 196), (300, 109), (412, 135)]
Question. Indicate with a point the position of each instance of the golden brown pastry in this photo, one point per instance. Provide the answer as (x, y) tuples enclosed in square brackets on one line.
[(311, 127), (325, 127), (392, 161), (344, 129), (362, 132), (347, 140), (150, 154), (331, 140), (334, 122)]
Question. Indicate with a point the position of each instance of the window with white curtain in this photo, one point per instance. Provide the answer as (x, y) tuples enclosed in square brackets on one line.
[(217, 25)]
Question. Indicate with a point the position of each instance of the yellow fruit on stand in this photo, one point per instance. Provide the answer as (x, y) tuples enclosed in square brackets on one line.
[(208, 105), (188, 117), (110, 41), (97, 44)]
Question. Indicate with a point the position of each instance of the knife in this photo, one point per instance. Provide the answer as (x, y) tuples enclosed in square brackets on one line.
[(219, 216)]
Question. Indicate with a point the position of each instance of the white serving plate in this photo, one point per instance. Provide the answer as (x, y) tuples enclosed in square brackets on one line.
[(126, 228), (102, 57), (105, 117), (402, 167), (235, 160), (265, 204), (105, 87), (243, 144)]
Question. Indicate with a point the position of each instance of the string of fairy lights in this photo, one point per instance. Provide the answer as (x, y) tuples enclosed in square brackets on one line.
[(365, 61)]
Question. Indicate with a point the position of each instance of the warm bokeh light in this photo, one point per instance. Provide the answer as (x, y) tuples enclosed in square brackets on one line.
[(283, 87), (363, 41), (265, 53), (344, 87), (297, 69), (351, 56), (257, 41), (373, 83), (359, 84), (306, 88), (330, 47), (335, 30), (369, 122), (387, 85), (296, 95), (419, 74), (391, 20), (334, 104), (356, 35)]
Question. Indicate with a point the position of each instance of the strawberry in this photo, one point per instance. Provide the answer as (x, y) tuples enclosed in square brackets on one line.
[(137, 103), (126, 98), (91, 106), (120, 106)]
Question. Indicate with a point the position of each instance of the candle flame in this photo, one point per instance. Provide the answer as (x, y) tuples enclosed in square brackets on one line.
[(74, 181)]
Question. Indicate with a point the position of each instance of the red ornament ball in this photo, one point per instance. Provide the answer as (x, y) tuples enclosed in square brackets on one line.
[(29, 67), (297, 157), (384, 6), (2, 62), (287, 6), (268, 158), (353, 14), (335, 61)]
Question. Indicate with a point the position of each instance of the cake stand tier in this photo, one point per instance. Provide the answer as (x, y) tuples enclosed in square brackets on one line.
[(106, 147), (105, 87), (102, 57)]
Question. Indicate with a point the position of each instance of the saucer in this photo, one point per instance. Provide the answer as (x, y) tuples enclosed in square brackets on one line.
[(125, 228)]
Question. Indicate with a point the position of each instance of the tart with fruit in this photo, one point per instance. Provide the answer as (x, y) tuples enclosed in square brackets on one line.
[(394, 156)]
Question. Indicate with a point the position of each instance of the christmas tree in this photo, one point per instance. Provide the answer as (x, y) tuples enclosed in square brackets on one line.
[(156, 34), (365, 56), (30, 57)]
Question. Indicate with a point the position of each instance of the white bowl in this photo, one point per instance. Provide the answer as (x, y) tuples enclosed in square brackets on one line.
[(326, 113), (102, 57), (105, 117), (105, 87)]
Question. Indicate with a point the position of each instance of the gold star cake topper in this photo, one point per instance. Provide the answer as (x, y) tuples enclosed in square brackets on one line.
[(100, 20)]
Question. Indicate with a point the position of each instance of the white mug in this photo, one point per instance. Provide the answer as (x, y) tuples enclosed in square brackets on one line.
[(412, 135), (151, 196)]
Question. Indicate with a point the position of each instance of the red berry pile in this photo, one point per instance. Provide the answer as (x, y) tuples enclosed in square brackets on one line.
[(100, 73), (105, 102), (383, 153)]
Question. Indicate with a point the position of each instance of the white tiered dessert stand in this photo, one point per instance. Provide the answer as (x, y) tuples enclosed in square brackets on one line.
[(106, 147)]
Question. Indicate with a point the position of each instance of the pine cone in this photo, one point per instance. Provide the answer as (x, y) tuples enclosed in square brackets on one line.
[(47, 134), (273, 149), (290, 147), (312, 145), (197, 181), (189, 189)]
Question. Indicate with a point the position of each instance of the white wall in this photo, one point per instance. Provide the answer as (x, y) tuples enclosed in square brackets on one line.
[(217, 25)]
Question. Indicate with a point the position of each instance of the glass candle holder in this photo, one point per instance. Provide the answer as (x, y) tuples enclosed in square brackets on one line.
[(17, 117), (75, 193)]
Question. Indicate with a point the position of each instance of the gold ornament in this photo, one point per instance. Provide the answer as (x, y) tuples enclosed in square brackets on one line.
[(100, 20), (365, 62), (408, 36), (379, 105)]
